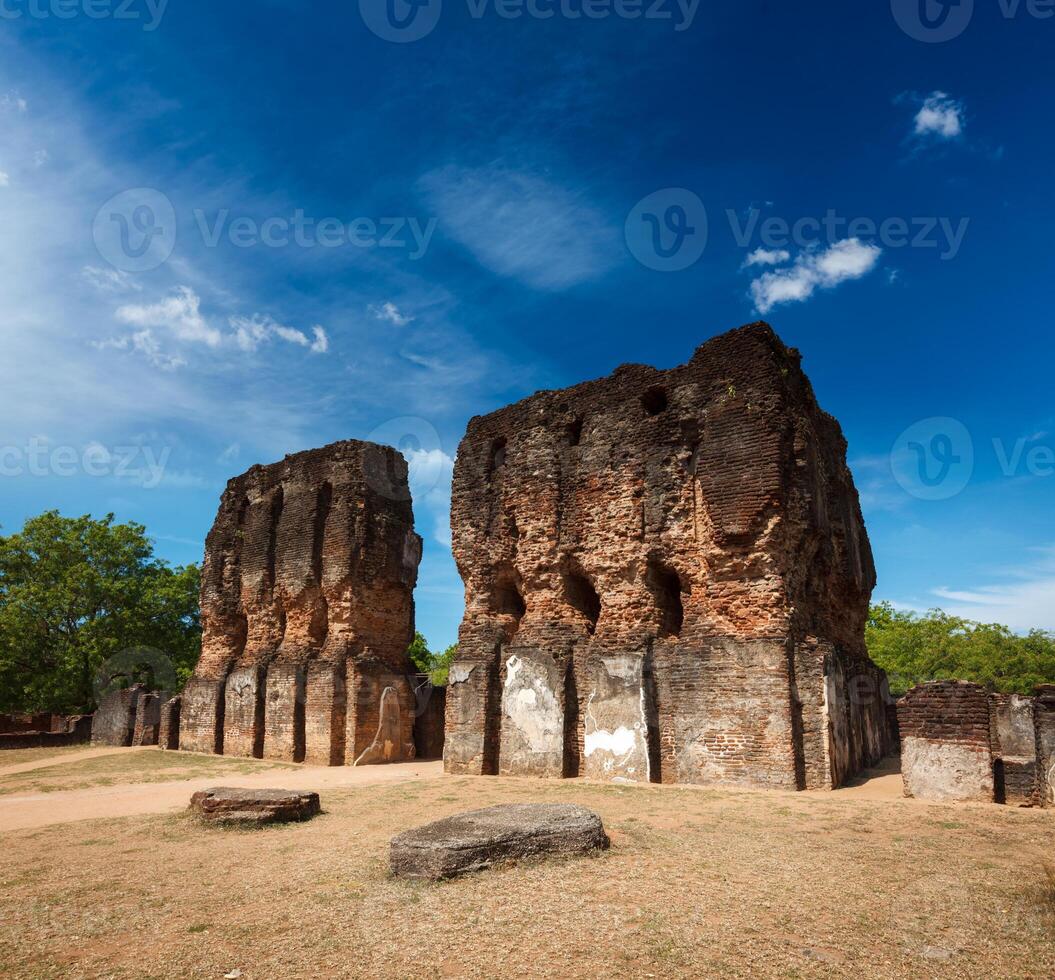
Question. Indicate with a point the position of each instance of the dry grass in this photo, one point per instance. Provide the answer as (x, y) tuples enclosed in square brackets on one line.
[(16, 757), (135, 767), (697, 883)]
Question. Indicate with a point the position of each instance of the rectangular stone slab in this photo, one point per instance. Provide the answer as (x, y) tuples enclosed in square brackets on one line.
[(479, 839)]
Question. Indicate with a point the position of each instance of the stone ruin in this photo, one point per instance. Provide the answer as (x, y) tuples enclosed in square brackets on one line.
[(667, 579), (43, 729), (307, 612), (961, 742), (129, 716)]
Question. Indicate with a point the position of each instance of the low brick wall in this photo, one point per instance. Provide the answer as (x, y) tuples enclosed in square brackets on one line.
[(945, 742)]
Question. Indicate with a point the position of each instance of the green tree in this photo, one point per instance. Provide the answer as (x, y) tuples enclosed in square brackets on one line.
[(913, 648), (76, 595), (441, 665), (419, 654)]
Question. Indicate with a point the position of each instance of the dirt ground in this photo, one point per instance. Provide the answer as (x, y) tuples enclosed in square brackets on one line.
[(698, 882)]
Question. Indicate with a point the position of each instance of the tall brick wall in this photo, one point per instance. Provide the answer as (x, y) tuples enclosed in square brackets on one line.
[(307, 606), (699, 523)]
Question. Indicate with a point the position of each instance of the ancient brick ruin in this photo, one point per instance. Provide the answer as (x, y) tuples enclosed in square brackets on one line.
[(667, 579), (307, 612), (961, 742), (44, 729)]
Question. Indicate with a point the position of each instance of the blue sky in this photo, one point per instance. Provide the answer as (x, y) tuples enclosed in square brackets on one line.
[(175, 308)]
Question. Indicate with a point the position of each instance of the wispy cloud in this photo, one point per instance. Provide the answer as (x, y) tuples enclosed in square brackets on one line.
[(253, 331), (524, 226), (817, 269), (763, 256), (390, 313), (109, 280)]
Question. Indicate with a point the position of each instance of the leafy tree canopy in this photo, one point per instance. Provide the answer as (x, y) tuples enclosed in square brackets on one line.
[(914, 648), (436, 665), (85, 605)]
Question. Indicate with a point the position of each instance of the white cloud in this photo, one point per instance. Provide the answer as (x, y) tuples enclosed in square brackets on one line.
[(179, 313), (321, 343), (940, 117), (145, 343), (232, 452), (845, 260), (40, 157), (251, 332), (762, 256), (390, 313), (109, 280), (523, 226), (429, 474), (12, 100), (5, 180)]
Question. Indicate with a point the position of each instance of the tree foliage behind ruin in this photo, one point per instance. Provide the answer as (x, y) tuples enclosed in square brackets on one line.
[(913, 648), (78, 594)]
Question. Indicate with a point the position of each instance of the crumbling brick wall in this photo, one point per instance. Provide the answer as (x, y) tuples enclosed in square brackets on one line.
[(168, 724), (148, 717), (685, 546), (1013, 740), (946, 748), (307, 609), (114, 721), (1044, 719)]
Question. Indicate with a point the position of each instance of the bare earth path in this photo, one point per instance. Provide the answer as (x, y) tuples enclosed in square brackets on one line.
[(29, 810)]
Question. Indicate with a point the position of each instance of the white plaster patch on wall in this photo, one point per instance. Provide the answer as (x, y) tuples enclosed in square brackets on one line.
[(532, 707), (621, 742), (946, 770), (459, 673)]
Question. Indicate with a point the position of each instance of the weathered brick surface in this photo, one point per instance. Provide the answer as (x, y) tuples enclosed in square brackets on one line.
[(428, 719), (307, 608), (946, 745), (168, 727), (148, 718), (1044, 719), (702, 519), (114, 722), (1013, 738)]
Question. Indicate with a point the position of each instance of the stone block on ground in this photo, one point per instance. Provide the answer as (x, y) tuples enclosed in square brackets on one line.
[(479, 839), (224, 805)]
